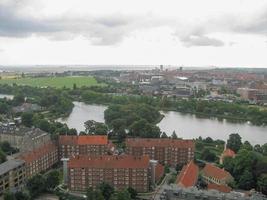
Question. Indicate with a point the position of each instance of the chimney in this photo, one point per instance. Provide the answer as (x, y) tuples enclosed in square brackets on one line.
[(65, 170), (153, 164)]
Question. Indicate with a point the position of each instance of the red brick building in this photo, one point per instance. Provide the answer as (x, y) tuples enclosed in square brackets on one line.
[(40, 159), (166, 151), (188, 176), (119, 171), (83, 145)]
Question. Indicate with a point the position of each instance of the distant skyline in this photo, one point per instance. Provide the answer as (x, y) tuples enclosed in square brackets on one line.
[(140, 32)]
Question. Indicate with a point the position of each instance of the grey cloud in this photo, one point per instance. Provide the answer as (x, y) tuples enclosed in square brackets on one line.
[(201, 40)]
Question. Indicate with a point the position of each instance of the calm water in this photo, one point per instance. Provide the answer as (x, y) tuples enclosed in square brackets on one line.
[(186, 126), (83, 112), (6, 96)]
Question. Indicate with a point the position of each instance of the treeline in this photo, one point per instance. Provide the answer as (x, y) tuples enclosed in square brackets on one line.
[(57, 101)]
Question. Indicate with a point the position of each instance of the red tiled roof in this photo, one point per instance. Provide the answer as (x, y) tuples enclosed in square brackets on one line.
[(109, 161), (228, 153), (188, 175), (221, 188), (162, 142), (83, 140), (216, 172), (38, 152)]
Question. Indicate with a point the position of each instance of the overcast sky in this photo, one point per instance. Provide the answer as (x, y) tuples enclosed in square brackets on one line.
[(177, 32)]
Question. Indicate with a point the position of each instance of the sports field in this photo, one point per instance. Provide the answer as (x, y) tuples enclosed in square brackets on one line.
[(57, 82)]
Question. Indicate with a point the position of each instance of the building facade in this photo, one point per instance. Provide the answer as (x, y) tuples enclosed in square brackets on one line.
[(40, 159), (119, 171), (24, 138), (167, 151), (12, 175), (83, 145)]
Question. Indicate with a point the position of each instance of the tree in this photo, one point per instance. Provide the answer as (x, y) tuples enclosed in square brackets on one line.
[(207, 155), (234, 142), (264, 149), (44, 125), (174, 135), (27, 119), (106, 190), (52, 179), (3, 108), (90, 194), (258, 148), (247, 146), (97, 128), (36, 185), (9, 196), (22, 195), (164, 135), (246, 181), (123, 195), (262, 183), (2, 156), (18, 99), (6, 147), (74, 86), (133, 193)]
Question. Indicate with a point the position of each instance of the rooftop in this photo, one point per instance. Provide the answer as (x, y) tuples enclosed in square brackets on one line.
[(160, 142), (83, 140), (228, 153), (220, 188), (9, 165), (109, 161), (38, 152), (216, 172), (188, 175)]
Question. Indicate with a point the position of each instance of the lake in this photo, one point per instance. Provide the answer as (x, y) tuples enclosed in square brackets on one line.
[(187, 126)]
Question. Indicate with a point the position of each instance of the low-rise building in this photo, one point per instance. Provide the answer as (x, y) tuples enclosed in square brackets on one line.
[(167, 151), (188, 176), (213, 174), (83, 145), (119, 171), (40, 159), (227, 153), (27, 107), (12, 175), (24, 138)]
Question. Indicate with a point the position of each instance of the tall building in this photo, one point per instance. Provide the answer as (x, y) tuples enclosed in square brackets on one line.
[(83, 145), (12, 175), (167, 151), (40, 159), (119, 171)]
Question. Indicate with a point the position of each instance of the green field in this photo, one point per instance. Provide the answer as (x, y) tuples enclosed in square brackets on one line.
[(57, 82)]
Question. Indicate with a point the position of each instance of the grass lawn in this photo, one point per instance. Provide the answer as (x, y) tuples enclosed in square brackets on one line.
[(57, 82)]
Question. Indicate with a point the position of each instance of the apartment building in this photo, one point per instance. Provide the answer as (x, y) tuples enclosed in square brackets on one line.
[(12, 175), (40, 159), (119, 171), (83, 145), (167, 151)]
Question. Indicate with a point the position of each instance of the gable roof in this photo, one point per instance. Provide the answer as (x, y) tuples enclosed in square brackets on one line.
[(109, 161), (228, 153), (188, 175), (83, 140), (216, 172), (159, 142)]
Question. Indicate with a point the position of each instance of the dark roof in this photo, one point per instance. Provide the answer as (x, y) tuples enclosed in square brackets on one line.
[(9, 165)]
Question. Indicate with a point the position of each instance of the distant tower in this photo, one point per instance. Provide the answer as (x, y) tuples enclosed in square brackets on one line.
[(65, 170), (153, 164), (161, 67)]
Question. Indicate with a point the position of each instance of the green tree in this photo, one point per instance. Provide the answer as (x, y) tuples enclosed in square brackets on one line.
[(208, 155), (27, 119), (262, 183), (246, 181), (36, 185), (234, 142), (174, 135), (106, 190), (133, 193), (121, 195), (2, 156), (247, 146), (6, 147), (52, 179), (97, 128), (3, 108), (90, 194), (258, 148), (22, 195), (9, 196), (18, 99), (164, 135)]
